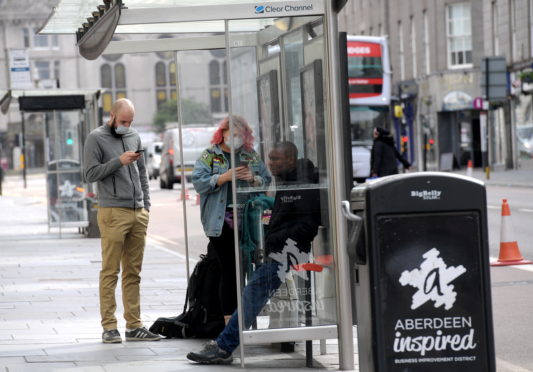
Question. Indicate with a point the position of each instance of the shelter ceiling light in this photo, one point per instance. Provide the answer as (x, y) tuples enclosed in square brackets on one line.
[(283, 24), (95, 34)]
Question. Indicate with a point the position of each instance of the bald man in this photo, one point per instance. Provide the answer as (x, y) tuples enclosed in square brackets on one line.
[(112, 160)]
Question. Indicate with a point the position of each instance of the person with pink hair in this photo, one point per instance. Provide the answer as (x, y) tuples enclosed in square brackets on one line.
[(212, 179)]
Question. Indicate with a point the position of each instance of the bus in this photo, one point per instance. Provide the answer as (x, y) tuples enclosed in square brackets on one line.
[(369, 90)]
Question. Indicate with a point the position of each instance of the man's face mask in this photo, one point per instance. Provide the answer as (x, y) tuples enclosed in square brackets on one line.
[(119, 130)]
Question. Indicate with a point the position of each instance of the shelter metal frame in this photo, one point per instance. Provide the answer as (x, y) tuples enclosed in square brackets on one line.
[(215, 18)]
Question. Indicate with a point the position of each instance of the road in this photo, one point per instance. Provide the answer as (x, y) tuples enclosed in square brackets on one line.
[(511, 286), (167, 221)]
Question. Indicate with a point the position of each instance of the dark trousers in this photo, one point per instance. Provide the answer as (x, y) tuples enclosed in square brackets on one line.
[(223, 249)]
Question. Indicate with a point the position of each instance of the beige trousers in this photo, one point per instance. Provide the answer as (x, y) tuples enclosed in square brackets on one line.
[(123, 232)]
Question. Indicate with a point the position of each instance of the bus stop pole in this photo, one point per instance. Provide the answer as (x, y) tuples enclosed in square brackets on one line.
[(335, 154), (23, 148)]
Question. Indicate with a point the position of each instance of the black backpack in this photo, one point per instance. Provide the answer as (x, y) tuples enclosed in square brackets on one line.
[(202, 314)]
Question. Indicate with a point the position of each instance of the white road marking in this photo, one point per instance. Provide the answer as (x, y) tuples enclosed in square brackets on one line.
[(153, 241), (528, 267), (510, 366), (168, 204), (526, 210), (492, 207)]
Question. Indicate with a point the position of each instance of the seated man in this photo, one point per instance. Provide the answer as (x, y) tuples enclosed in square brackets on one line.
[(292, 228)]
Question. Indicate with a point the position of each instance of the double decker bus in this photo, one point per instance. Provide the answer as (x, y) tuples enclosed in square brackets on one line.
[(369, 90)]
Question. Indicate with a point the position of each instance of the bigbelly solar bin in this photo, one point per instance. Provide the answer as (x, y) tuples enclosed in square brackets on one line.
[(422, 285)]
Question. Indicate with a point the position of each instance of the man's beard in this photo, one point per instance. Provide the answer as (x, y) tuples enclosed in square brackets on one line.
[(114, 130)]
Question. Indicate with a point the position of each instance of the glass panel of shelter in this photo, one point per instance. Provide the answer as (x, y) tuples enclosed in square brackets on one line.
[(282, 208), (66, 190)]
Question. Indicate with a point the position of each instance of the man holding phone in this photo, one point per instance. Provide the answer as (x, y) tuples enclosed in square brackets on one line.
[(113, 159)]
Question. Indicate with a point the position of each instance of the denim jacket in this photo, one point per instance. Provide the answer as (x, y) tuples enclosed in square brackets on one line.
[(207, 169)]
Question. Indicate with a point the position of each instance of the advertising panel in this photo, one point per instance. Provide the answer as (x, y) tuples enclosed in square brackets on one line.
[(432, 306), (365, 69)]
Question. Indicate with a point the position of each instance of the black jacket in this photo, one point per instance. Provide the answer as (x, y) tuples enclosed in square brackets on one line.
[(296, 210), (384, 156)]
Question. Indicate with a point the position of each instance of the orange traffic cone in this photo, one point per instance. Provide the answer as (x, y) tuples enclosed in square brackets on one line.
[(187, 196), (509, 252), (469, 168)]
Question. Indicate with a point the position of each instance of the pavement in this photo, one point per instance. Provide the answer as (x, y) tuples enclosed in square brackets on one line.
[(49, 316), (522, 177)]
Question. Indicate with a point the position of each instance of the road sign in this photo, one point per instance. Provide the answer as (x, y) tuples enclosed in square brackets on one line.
[(19, 69), (494, 79)]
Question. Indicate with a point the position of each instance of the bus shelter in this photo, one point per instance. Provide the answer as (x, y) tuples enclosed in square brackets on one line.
[(66, 117), (281, 61)]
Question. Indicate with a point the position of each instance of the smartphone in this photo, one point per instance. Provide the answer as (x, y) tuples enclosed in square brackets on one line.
[(139, 151)]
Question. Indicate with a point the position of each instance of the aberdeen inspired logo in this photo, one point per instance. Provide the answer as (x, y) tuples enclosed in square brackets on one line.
[(288, 257), (432, 281)]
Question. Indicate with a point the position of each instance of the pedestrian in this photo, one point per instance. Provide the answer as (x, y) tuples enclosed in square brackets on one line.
[(113, 160), (384, 156), (292, 227), (212, 179)]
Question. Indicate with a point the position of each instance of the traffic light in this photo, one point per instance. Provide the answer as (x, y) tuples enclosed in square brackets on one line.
[(69, 140), (430, 144), (404, 140), (398, 111)]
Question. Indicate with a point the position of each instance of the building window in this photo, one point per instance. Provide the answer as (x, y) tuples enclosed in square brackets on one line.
[(495, 29), (218, 86), (165, 82), (401, 51), (31, 39), (46, 73), (459, 35), (413, 45), (26, 37), (426, 43), (113, 79), (42, 70)]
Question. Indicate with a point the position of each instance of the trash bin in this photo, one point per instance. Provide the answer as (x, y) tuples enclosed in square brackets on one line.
[(421, 283), (92, 230)]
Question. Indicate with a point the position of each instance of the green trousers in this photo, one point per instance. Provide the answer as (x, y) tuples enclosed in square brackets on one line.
[(123, 232)]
